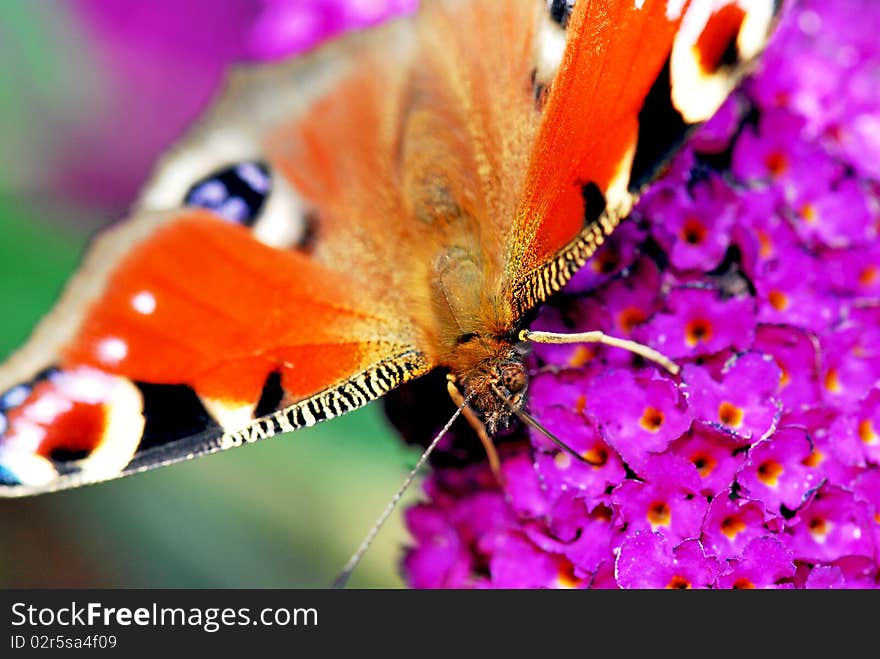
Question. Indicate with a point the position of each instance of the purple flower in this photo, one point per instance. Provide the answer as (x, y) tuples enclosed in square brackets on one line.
[(775, 472), (858, 433), (618, 252), (667, 501), (699, 321), (796, 354), (585, 545), (759, 465), (636, 415), (867, 488), (765, 563), (851, 364), (649, 560), (693, 225), (732, 524), (742, 404), (716, 455), (834, 524)]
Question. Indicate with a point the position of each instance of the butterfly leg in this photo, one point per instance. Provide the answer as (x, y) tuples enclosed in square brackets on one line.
[(596, 336), (478, 426)]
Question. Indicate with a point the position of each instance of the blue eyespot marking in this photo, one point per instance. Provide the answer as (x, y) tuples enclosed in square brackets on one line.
[(8, 478), (14, 397), (236, 193)]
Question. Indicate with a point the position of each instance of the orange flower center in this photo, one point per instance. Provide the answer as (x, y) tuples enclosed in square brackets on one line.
[(565, 577), (596, 456), (698, 330), (867, 433), (869, 275), (766, 245), (819, 528), (580, 356), (603, 513), (629, 318), (814, 459), (732, 526), (678, 583), (704, 463), (832, 381), (776, 163), (743, 584), (659, 514), (769, 473), (730, 415), (606, 261), (808, 213), (784, 376), (652, 419), (778, 300), (693, 232)]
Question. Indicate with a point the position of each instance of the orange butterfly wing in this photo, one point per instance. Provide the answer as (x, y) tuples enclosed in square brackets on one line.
[(202, 321), (201, 302), (634, 78)]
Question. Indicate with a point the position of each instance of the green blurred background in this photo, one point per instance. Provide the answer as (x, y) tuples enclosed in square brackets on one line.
[(284, 513)]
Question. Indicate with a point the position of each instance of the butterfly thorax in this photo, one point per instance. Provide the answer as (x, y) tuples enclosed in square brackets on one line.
[(477, 339)]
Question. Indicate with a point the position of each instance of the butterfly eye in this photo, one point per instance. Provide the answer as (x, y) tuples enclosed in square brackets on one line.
[(236, 193)]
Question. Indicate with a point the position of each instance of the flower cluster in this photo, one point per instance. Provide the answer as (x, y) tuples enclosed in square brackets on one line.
[(755, 264)]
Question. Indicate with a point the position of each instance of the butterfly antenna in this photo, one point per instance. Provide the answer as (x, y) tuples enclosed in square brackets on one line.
[(596, 336), (528, 419), (343, 577)]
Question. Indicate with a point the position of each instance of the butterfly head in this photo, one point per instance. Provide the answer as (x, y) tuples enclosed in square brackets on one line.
[(497, 383)]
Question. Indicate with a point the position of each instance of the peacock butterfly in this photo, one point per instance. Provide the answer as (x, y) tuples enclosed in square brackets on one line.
[(393, 203)]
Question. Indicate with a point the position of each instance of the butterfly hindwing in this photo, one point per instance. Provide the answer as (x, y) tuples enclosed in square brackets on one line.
[(200, 336)]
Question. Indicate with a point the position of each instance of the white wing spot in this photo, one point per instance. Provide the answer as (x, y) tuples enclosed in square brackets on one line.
[(144, 302), (48, 407), (112, 351), (674, 9)]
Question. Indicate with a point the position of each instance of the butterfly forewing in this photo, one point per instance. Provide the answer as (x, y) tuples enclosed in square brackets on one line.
[(635, 78)]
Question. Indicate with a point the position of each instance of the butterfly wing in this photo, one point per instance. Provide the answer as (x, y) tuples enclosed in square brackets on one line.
[(201, 339), (634, 78), (183, 332)]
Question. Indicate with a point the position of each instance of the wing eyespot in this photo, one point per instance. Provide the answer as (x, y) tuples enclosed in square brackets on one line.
[(560, 10), (237, 193)]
